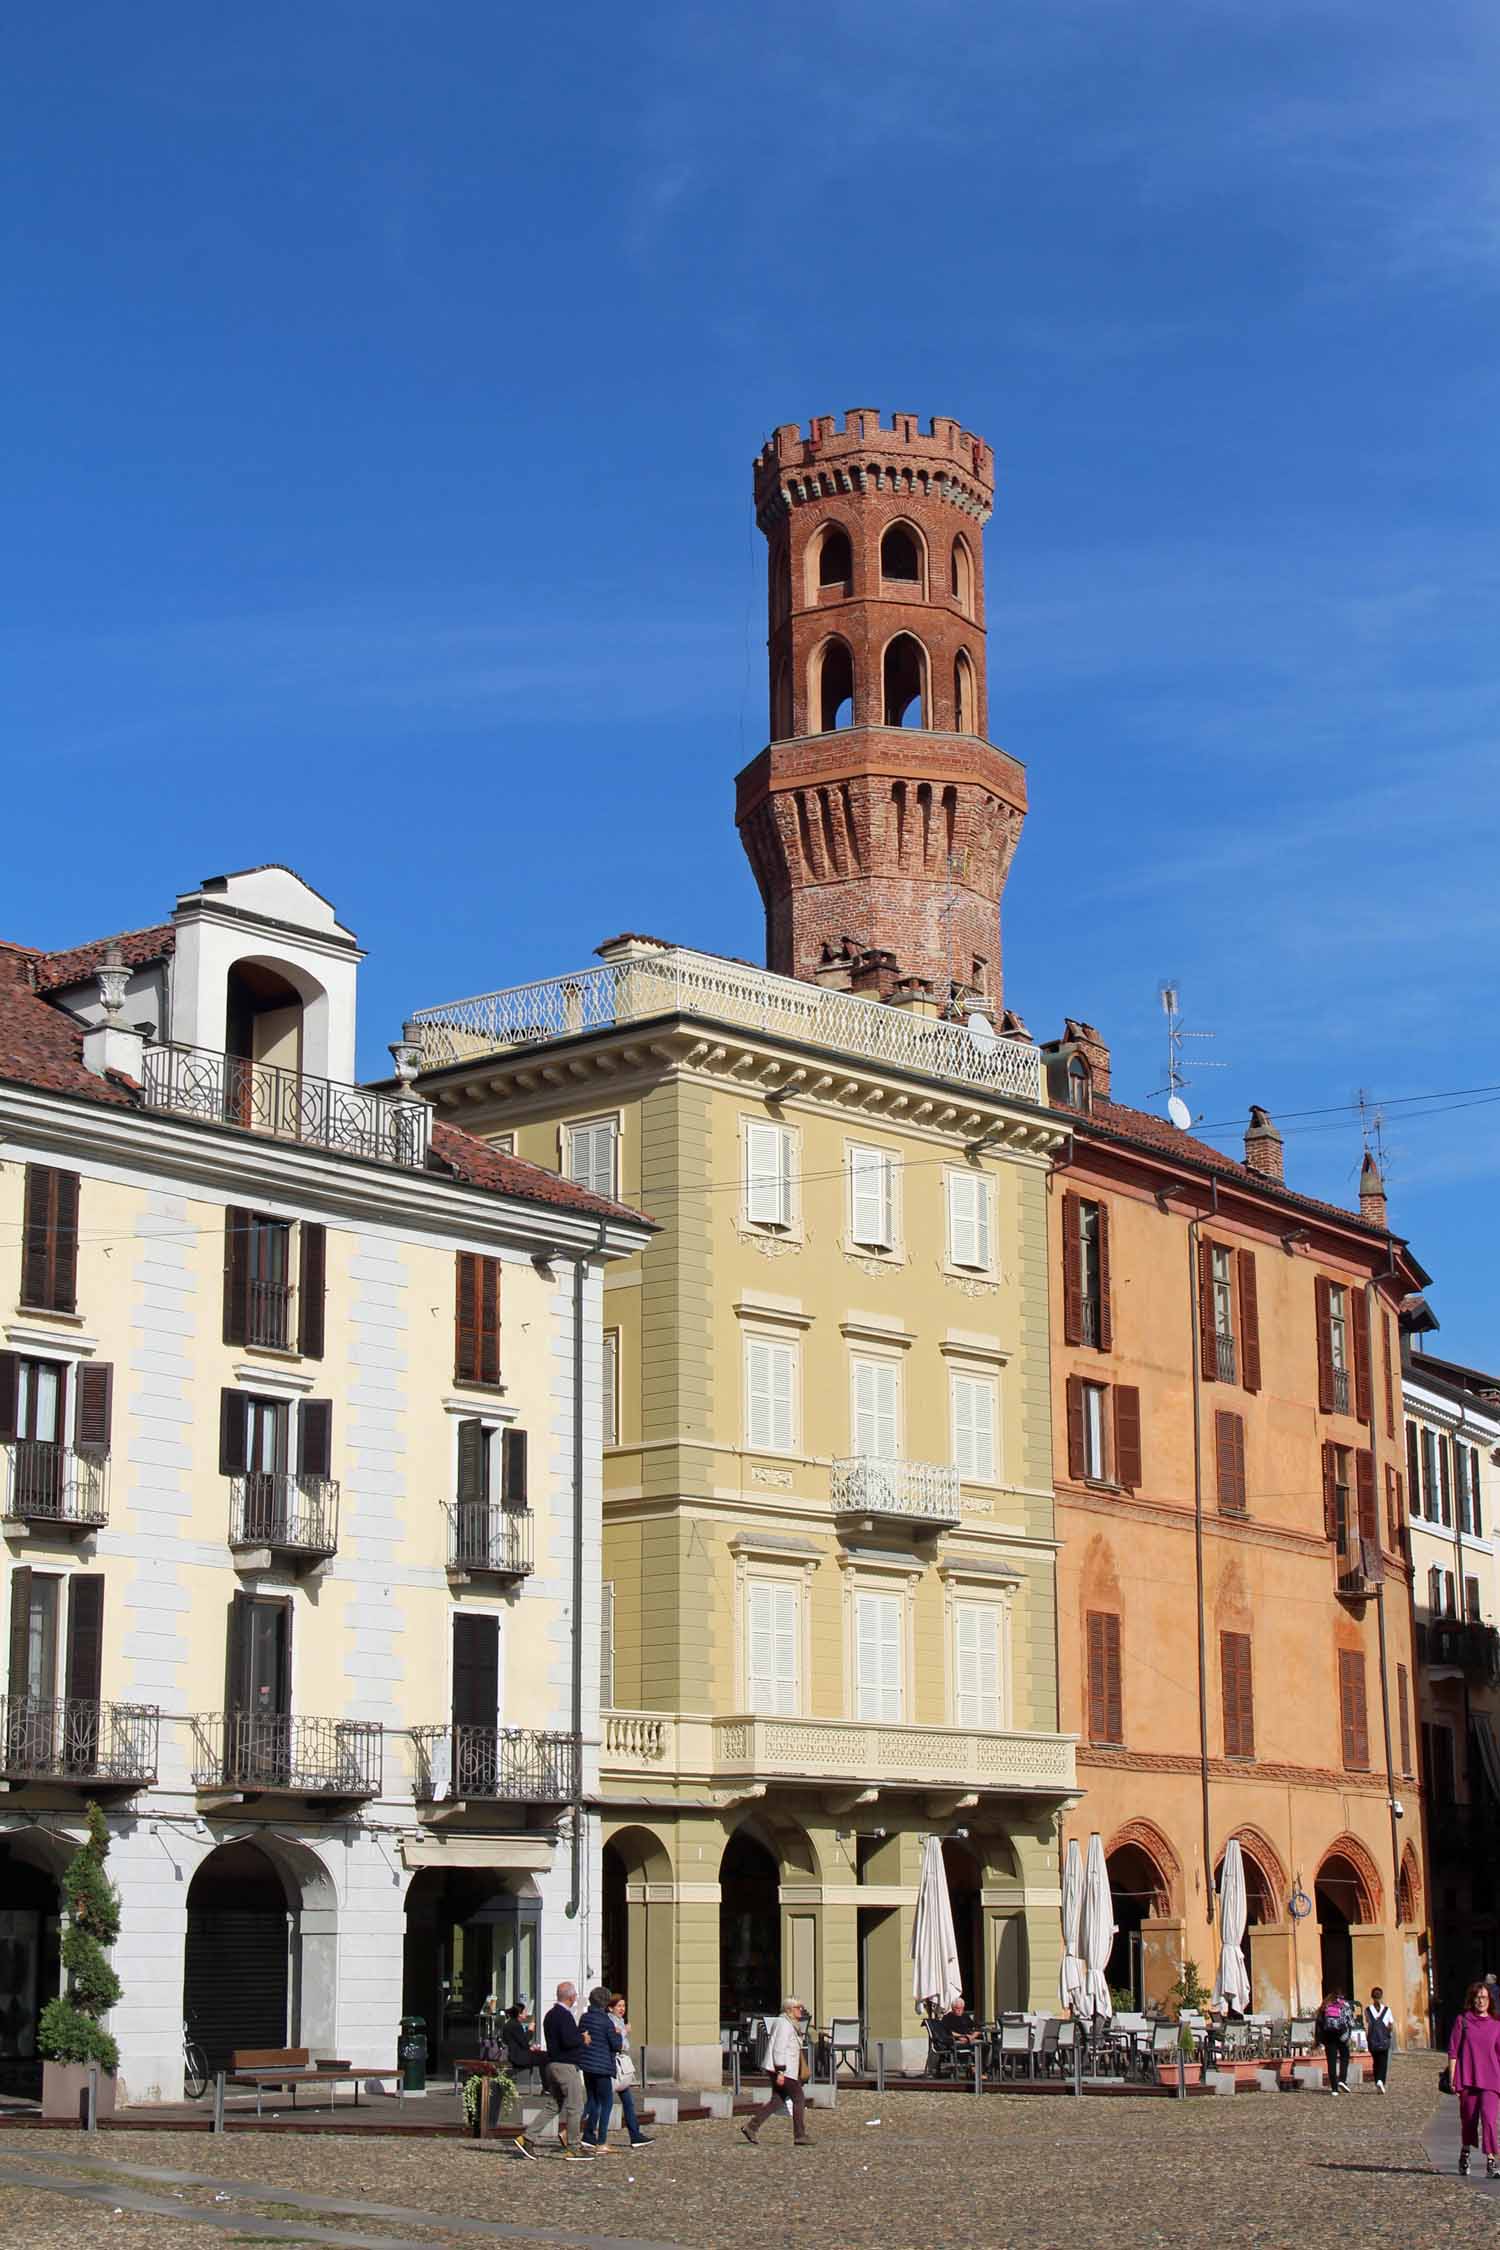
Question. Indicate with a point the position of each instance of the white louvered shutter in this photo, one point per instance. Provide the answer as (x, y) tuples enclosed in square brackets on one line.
[(591, 1157), (877, 1398), (974, 1426), (877, 1622), (872, 1197), (768, 1175), (773, 1647), (768, 1395), (969, 1219), (977, 1664)]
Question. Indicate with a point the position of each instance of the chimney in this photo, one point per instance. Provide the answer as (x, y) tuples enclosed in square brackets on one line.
[(113, 1044), (1372, 1193), (1094, 1052), (1263, 1149)]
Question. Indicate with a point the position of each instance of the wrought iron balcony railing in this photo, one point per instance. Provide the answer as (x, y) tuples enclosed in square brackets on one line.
[(268, 1319), (1089, 1325), (925, 1492), (1341, 1390), (289, 1104), (47, 1738), (500, 1542), (56, 1485), (297, 1757), (1461, 1645), (1223, 1356), (292, 1515), (674, 980), (513, 1764)]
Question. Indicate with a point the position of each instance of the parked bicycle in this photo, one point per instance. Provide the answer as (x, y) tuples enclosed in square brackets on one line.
[(194, 2067)]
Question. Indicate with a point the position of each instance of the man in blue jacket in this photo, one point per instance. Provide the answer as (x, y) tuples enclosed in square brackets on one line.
[(563, 2074)]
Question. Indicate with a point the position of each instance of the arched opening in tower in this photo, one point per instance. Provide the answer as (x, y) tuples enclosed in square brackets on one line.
[(963, 695), (900, 556), (835, 558), (905, 682), (835, 687)]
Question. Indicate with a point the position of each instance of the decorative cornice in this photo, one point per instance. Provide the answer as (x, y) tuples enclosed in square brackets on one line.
[(1258, 1770)]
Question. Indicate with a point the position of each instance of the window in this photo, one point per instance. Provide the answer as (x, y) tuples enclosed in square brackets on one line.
[(1337, 1511), (591, 1152), (835, 557), (476, 1350), (49, 1240), (1104, 1433), (1087, 1316), (1221, 1292), (965, 702), (877, 1656), (1229, 1455), (833, 686), (1239, 1702), (1332, 1304), (1080, 1086), (35, 1611), (1095, 1452), (268, 1253), (1439, 1764), (901, 555), (772, 1631), (1471, 1600), (876, 1409), (872, 1198), (904, 681), (768, 1175), (1403, 1714), (770, 1379), (1105, 1702), (978, 1702), (609, 1385), (1356, 1729), (1445, 1486), (1435, 1589), (974, 1400), (503, 1144), (1466, 1487), (476, 1680), (1430, 1501), (969, 1221), (963, 577), (1228, 1315)]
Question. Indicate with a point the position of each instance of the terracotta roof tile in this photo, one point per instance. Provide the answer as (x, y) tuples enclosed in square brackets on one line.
[(39, 1044), (482, 1166), (1117, 1121), (78, 962)]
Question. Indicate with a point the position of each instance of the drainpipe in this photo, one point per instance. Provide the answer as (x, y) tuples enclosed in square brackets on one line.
[(1195, 1345), (1372, 1309), (580, 1269)]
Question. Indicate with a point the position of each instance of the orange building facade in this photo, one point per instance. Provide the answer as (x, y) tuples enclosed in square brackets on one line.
[(1234, 1592)]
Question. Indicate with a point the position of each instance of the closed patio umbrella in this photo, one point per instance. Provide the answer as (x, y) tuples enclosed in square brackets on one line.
[(935, 1973), (1097, 1930), (1071, 1980), (1232, 1984)]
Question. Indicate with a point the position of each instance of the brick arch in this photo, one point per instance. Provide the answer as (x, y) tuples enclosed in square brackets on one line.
[(1257, 1847), (1366, 1874), (1148, 1839), (1409, 1890)]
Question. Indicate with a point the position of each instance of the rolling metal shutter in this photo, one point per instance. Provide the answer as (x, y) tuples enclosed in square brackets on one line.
[(235, 1987)]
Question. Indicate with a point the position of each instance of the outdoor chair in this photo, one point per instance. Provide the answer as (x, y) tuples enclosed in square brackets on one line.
[(1013, 2050), (1300, 2037), (1046, 2053), (942, 2054), (1067, 2041), (846, 2043), (1163, 2040)]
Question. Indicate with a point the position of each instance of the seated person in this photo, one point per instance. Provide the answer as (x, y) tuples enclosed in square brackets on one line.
[(959, 2025), (521, 2049)]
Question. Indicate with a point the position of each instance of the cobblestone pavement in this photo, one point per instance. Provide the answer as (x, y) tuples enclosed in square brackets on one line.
[(1297, 2169)]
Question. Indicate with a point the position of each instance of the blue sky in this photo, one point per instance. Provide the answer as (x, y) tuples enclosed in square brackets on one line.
[(383, 382)]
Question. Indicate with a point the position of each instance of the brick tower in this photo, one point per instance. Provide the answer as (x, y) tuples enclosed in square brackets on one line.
[(879, 821)]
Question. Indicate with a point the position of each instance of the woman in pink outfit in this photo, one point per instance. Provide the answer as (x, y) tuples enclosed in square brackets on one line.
[(1474, 2053)]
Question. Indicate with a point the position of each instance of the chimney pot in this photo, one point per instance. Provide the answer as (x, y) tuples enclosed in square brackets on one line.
[(1372, 1205), (1264, 1152)]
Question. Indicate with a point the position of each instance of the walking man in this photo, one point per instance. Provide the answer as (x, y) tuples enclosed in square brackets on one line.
[(786, 2060), (563, 2075), (1380, 2033)]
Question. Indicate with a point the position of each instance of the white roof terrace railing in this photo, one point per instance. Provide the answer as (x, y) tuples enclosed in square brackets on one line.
[(673, 980)]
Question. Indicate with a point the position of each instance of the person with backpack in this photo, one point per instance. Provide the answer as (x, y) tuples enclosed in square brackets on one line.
[(602, 2031), (1474, 2065), (1334, 2029), (1380, 2036)]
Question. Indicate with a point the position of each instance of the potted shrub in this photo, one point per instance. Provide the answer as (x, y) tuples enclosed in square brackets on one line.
[(490, 2099), (71, 2037), (1188, 1993)]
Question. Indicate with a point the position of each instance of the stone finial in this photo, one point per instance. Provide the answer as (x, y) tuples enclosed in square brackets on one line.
[(406, 1057), (113, 978), (113, 1048), (1372, 1193), (1264, 1152)]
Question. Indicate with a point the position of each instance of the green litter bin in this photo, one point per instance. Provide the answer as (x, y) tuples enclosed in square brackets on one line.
[(411, 2054)]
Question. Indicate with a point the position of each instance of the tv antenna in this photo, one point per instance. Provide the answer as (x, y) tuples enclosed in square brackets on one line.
[(1177, 1077)]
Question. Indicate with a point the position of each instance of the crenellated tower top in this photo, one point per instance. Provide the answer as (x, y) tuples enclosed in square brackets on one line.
[(880, 821)]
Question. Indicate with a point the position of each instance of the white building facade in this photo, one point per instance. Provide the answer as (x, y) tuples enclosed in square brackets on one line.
[(300, 1441)]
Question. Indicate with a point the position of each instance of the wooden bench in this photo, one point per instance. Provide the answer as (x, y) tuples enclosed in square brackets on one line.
[(275, 2069)]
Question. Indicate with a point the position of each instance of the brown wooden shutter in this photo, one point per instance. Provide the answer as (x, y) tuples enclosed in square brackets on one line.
[(1390, 1379), (1356, 1727), (10, 1393), (1330, 1490), (315, 1438), (236, 1275), (1208, 1354), (92, 1400), (1322, 1300), (1072, 1229), (473, 1465), (1475, 1501), (1364, 1488), (1392, 1520), (1127, 1436), (233, 1433), (1244, 1268), (1106, 1308), (1403, 1709), (476, 1670), (1075, 1426), (1360, 1311), (237, 1653), (20, 1627), (489, 1320), (1229, 1456), (513, 1468), (312, 1281), (466, 1318), (49, 1239), (1105, 1699), (1413, 1467), (1238, 1695), (85, 1668), (1445, 1486)]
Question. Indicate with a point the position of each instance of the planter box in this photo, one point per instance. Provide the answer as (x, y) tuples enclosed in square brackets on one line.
[(495, 2113), (1166, 2073), (65, 2091)]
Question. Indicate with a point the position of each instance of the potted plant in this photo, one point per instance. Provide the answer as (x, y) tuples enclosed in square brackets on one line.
[(490, 2099), (1189, 1993), (71, 2038)]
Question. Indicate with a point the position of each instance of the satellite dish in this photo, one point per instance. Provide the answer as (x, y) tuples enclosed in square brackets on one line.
[(982, 1032), (1180, 1114)]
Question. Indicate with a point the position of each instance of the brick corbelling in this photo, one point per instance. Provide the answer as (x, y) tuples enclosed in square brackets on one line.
[(1241, 1769)]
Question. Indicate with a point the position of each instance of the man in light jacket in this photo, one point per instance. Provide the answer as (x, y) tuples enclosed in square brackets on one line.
[(784, 2059)]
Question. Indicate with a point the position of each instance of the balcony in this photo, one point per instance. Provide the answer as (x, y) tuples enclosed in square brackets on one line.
[(82, 1744), (268, 1315), (1341, 1390), (495, 1765), (289, 1105), (1224, 1357), (276, 1754), (643, 1746), (1460, 1645), (276, 1514), (675, 981), (1361, 1568), (55, 1488), (1088, 1332), (916, 1492), (490, 1541)]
